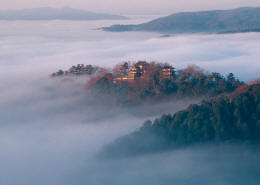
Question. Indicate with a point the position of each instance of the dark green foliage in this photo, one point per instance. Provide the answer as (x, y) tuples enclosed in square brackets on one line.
[(168, 86), (80, 69), (227, 118), (153, 85), (233, 117)]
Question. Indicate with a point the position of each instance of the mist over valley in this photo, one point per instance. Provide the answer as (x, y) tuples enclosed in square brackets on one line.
[(51, 129)]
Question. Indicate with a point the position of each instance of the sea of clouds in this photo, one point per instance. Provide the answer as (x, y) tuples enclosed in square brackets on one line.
[(50, 130)]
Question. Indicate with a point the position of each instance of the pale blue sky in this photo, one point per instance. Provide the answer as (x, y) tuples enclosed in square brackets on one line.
[(132, 6)]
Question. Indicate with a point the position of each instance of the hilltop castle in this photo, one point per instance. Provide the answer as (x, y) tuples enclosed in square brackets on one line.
[(140, 69), (123, 72)]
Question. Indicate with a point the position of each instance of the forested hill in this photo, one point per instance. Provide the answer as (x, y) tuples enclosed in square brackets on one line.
[(135, 83), (150, 82), (235, 20), (228, 118)]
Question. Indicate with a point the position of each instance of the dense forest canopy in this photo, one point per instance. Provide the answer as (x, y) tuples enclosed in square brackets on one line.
[(234, 117), (230, 110), (131, 83), (144, 82)]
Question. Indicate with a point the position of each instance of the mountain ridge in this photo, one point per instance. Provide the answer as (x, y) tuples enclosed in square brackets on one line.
[(49, 13), (213, 21)]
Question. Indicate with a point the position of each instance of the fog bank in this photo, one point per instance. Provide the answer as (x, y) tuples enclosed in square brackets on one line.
[(50, 130)]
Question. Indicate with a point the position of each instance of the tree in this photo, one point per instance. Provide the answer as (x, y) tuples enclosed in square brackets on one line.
[(217, 120)]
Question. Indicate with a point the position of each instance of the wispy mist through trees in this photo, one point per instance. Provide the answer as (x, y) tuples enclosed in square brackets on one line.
[(50, 131)]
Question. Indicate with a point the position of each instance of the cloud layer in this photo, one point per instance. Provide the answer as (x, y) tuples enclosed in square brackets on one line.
[(49, 130), (43, 47)]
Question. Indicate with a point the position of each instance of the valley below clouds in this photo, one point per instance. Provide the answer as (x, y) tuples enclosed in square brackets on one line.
[(50, 130)]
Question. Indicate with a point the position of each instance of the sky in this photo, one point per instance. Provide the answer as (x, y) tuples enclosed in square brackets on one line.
[(133, 6)]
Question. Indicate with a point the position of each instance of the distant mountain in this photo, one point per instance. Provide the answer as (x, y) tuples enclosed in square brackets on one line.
[(47, 13), (235, 20), (234, 118)]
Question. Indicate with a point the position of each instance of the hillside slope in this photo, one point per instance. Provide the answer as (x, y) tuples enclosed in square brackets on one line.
[(235, 20), (234, 118)]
